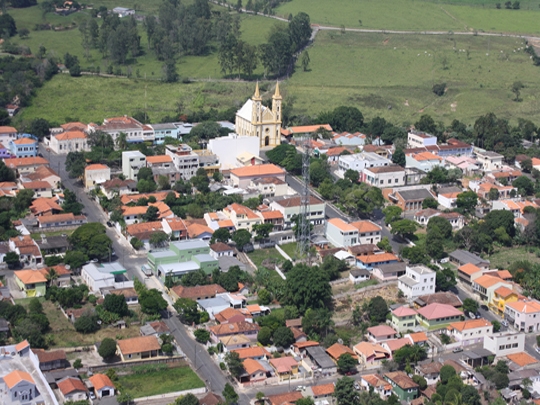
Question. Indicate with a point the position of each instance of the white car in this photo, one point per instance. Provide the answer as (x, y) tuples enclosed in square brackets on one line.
[(356, 385), (504, 323)]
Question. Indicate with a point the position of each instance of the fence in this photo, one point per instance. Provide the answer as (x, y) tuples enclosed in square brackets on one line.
[(194, 391), (164, 360)]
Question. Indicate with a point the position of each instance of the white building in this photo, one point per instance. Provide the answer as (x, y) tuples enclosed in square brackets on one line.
[(184, 159), (447, 197), (425, 161), (132, 162), (7, 134), (228, 148), (384, 176), (290, 207), (490, 161), (105, 275), (96, 174), (69, 141), (417, 281), (417, 139), (341, 234), (123, 12), (503, 343), (471, 331), (135, 131), (359, 161), (523, 315)]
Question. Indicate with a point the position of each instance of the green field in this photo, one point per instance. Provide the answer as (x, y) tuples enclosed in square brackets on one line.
[(160, 382), (503, 258)]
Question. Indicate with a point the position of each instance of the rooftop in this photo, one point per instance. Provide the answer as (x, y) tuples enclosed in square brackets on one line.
[(71, 384), (210, 290), (437, 311), (487, 281), (469, 324), (381, 330), (324, 389), (138, 344), (439, 297), (342, 225), (385, 169), (522, 359), (366, 226), (526, 307), (412, 195), (403, 311), (401, 379), (258, 170)]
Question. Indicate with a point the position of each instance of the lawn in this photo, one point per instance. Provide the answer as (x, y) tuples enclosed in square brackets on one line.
[(260, 255), (290, 249), (506, 256), (160, 382), (37, 236)]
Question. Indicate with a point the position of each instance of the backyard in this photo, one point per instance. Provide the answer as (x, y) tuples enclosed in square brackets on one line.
[(503, 257)]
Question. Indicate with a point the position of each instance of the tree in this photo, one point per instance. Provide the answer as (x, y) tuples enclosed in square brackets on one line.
[(316, 322), (445, 280), (392, 213), (430, 203), (262, 231), (493, 194), (524, 185), (7, 25), (496, 326), (152, 302), (230, 395), (136, 243), (23, 200), (378, 308), (446, 373), (363, 199), (71, 204), (466, 202), (346, 363), (517, 86), (87, 323), (264, 296), (107, 349), (352, 175), (35, 306), (91, 239), (264, 337), (188, 310), (300, 30), (116, 304), (188, 399), (399, 157), (307, 288), (124, 398), (221, 235), (12, 259), (305, 60), (158, 239), (470, 305), (202, 335), (421, 381), (241, 237), (345, 119), (345, 393), (426, 124), (440, 226), (75, 259), (439, 89), (283, 337), (305, 401), (404, 228)]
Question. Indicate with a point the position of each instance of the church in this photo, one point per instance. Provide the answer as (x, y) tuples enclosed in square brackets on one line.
[(254, 119)]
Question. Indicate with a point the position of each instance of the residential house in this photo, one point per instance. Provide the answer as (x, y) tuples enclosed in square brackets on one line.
[(24, 147), (197, 293), (231, 343), (490, 161), (284, 399), (422, 217), (243, 176), (468, 272), (324, 393), (232, 315), (410, 200), (506, 176), (438, 315), (284, 367), (26, 165), (20, 388), (389, 272), (229, 148), (8, 189), (43, 173), (505, 343), (319, 360), (45, 206), (96, 174), (143, 231), (102, 385), (164, 130), (455, 218), (333, 154), (39, 187), (468, 165), (523, 316), (132, 162), (482, 189), (51, 360), (123, 12), (341, 234), (268, 187), (116, 186), (72, 389), (27, 249), (461, 257), (521, 360), (470, 332), (98, 276), (486, 285), (242, 216), (359, 275), (380, 333), (378, 384), (345, 138), (385, 176), (255, 371), (395, 344), (156, 328), (360, 161), (254, 353), (402, 385), (174, 227), (130, 295), (403, 318), (376, 260), (447, 197), (201, 232), (417, 338), (417, 139), (136, 214), (61, 220), (501, 297), (7, 134), (220, 249), (337, 350), (31, 282), (368, 232), (290, 207), (430, 370), (247, 329), (162, 166), (418, 280), (517, 206), (74, 140), (275, 218), (138, 348), (133, 129), (425, 161)]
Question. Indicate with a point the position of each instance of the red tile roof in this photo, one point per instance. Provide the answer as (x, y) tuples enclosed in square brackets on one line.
[(100, 381), (16, 376), (138, 344), (70, 385), (325, 389), (437, 311)]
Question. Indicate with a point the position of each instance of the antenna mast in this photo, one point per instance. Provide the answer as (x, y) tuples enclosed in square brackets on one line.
[(304, 226)]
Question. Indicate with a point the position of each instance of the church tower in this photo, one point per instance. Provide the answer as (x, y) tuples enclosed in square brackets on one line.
[(276, 104), (257, 107)]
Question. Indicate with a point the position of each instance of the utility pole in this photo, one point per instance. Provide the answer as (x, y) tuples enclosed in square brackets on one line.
[(304, 225)]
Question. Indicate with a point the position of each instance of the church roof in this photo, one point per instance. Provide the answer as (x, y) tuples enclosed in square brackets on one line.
[(247, 110)]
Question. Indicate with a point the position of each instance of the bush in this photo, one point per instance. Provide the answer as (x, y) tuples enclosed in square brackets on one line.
[(265, 335), (107, 349), (77, 363), (202, 335), (87, 324), (222, 366), (439, 88)]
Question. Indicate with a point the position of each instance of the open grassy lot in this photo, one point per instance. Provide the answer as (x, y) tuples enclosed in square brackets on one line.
[(260, 255), (506, 256), (160, 382), (418, 15)]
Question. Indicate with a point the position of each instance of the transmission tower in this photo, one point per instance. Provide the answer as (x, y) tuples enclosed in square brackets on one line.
[(304, 226)]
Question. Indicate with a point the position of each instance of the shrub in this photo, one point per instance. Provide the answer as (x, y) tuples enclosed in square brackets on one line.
[(77, 363), (107, 349), (439, 88)]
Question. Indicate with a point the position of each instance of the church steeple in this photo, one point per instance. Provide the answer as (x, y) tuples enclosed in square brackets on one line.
[(277, 94), (257, 95), (276, 104)]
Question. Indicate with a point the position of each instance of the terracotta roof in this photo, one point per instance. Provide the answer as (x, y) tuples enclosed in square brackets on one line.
[(396, 344), (220, 247), (504, 274), (404, 311), (526, 307), (71, 384), (522, 359), (96, 166), (504, 291), (16, 376), (29, 161), (242, 210), (252, 366), (195, 230), (296, 201), (258, 170), (436, 311), (24, 141), (46, 357), (401, 379), (146, 228), (441, 298), (469, 324), (71, 135), (22, 345), (234, 340), (50, 219), (211, 399), (362, 249), (138, 344), (32, 185), (30, 276), (324, 389), (375, 380), (176, 224), (251, 352), (159, 159), (377, 258), (100, 381), (371, 349), (234, 328), (418, 337), (366, 226), (336, 151), (226, 223), (199, 291), (342, 225), (422, 156), (40, 205), (283, 364), (294, 322), (487, 281), (287, 398), (304, 129), (469, 269), (381, 330), (126, 292), (272, 214), (8, 130), (70, 125), (337, 349), (297, 333), (229, 313)]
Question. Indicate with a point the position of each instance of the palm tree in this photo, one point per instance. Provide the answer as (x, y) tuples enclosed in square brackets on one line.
[(121, 141), (51, 275)]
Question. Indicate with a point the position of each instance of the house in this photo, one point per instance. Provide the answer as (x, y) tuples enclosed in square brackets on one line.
[(290, 207), (501, 297), (275, 218), (39, 187), (455, 218), (255, 352), (320, 360), (135, 131), (359, 275), (337, 350), (284, 367), (73, 140), (435, 315), (422, 217), (441, 297), (425, 161), (522, 359), (242, 216), (285, 399), (174, 227), (20, 388), (51, 360), (132, 162), (483, 188), (130, 295), (323, 393), (248, 329), (417, 139), (136, 214), (42, 173), (72, 389), (197, 293), (255, 371), (341, 234), (102, 385), (45, 206), (376, 260), (403, 318), (96, 174), (185, 160), (241, 177), (333, 154), (486, 285), (221, 249), (395, 344), (417, 281), (417, 338), (138, 348), (200, 232), (27, 249), (232, 315), (385, 176), (447, 197), (99, 276), (123, 12), (116, 186), (162, 166), (143, 231), (7, 134), (231, 343), (211, 399), (24, 147), (490, 161), (410, 200), (471, 331), (389, 272), (371, 355), (156, 328), (505, 343), (61, 220), (461, 257), (380, 333), (376, 383), (26, 165), (356, 139), (368, 232), (161, 131), (360, 161), (524, 315), (402, 385), (32, 282), (430, 370)]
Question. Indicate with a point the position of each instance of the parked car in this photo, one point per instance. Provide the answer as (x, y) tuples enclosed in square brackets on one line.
[(300, 388), (356, 385), (457, 350), (109, 224), (504, 323)]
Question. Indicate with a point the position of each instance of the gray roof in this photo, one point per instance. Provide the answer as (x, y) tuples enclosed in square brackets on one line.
[(410, 195), (408, 281), (226, 262), (318, 354), (53, 242), (57, 375), (392, 267), (190, 244), (359, 272), (477, 353), (204, 257), (4, 247), (213, 302), (163, 126), (4, 325), (179, 268), (464, 257), (453, 189)]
